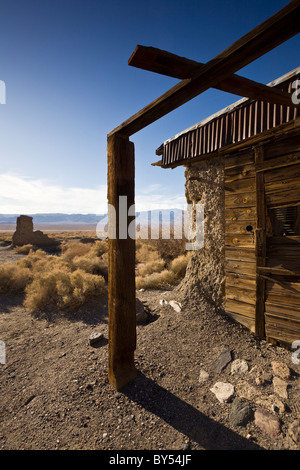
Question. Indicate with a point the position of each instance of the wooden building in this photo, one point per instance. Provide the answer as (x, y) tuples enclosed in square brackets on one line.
[(258, 146), (261, 163)]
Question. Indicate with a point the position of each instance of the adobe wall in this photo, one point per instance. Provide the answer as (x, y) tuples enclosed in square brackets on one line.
[(205, 275)]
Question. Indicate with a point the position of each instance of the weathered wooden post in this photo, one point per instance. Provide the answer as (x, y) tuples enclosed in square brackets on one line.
[(121, 264)]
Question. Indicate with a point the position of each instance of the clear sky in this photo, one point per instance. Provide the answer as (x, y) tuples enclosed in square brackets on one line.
[(68, 83)]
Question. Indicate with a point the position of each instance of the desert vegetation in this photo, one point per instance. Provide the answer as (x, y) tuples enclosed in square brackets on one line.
[(78, 271)]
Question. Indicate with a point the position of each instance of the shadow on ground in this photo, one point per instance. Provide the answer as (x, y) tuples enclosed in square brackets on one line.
[(183, 417)]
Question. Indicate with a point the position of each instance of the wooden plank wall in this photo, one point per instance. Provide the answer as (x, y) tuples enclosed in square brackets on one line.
[(240, 258), (282, 271), (263, 272)]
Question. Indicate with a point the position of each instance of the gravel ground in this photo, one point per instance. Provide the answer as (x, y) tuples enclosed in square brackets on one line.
[(55, 393)]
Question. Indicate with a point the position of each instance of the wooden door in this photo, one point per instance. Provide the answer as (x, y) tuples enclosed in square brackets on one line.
[(281, 270)]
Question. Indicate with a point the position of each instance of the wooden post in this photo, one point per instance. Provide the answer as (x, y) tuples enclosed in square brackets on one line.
[(121, 264), (260, 246)]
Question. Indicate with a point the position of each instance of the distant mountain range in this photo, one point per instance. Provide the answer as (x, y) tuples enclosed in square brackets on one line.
[(81, 219), (59, 218)]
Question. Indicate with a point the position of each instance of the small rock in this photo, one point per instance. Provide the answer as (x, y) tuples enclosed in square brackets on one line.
[(163, 302), (271, 403), (246, 390), (281, 370), (222, 361), (141, 290), (239, 366), (280, 387), (204, 376), (223, 391), (264, 378), (294, 431), (94, 338), (268, 423), (175, 305), (241, 412)]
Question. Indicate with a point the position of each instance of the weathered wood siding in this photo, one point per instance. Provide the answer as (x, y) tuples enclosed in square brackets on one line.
[(282, 271), (262, 191), (240, 258)]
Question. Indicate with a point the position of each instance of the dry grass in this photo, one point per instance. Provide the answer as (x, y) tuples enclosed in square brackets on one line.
[(178, 265), (62, 289), (24, 249), (79, 271), (71, 250), (155, 280), (161, 263), (14, 278), (66, 281)]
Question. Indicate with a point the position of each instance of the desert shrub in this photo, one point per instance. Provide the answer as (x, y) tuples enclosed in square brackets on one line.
[(79, 273), (86, 263), (178, 265), (39, 261), (13, 278), (71, 249), (95, 261), (63, 289), (156, 272), (150, 267), (145, 253), (148, 259), (167, 249), (99, 248), (65, 281), (155, 280), (24, 249), (93, 265)]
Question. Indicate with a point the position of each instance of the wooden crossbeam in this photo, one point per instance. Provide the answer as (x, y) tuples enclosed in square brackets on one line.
[(172, 65), (265, 37)]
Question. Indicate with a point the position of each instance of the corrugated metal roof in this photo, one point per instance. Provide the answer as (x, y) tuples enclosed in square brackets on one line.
[(244, 118)]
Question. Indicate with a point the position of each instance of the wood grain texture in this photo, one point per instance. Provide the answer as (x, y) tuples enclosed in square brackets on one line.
[(172, 65), (260, 245), (121, 267)]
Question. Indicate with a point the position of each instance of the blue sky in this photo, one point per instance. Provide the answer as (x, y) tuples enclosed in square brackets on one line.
[(64, 64)]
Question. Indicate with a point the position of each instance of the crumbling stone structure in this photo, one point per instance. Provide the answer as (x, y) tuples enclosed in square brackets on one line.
[(24, 234), (205, 274)]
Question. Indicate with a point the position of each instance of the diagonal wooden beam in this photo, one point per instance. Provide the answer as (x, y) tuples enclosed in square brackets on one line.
[(172, 65), (265, 37)]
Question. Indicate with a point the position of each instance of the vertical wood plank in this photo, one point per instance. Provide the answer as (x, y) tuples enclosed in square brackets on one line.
[(260, 246), (121, 265)]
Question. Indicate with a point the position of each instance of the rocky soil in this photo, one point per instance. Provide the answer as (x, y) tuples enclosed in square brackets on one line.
[(204, 382)]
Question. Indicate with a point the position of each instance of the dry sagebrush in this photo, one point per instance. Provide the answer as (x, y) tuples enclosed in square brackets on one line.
[(79, 273)]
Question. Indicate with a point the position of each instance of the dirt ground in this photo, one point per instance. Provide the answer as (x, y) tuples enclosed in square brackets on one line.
[(55, 394)]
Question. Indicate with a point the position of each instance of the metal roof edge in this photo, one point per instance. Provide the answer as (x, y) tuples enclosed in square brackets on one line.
[(227, 109)]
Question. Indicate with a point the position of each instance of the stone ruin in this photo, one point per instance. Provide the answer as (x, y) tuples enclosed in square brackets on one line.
[(24, 234)]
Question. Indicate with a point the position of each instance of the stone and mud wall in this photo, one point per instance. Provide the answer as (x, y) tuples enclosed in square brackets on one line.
[(205, 276)]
